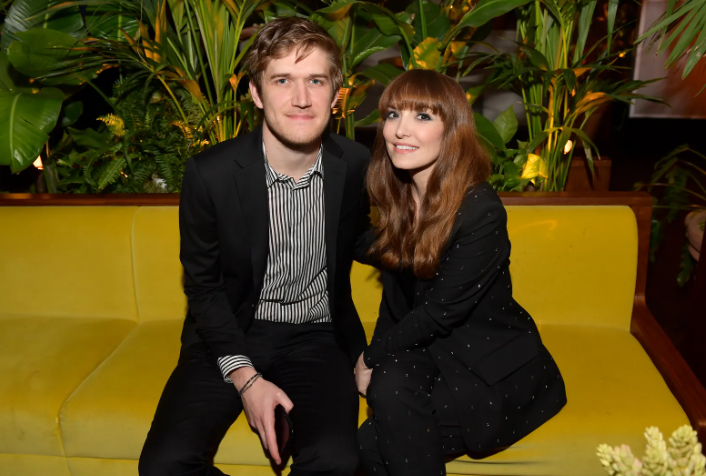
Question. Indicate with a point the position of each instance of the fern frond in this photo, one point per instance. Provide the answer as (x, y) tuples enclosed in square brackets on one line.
[(115, 124), (111, 173)]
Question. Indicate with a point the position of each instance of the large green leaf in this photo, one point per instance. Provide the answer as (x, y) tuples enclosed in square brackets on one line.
[(336, 10), (72, 112), (25, 122), (437, 23), (90, 138), (427, 54), (105, 21), (383, 73), (47, 53), (10, 79), (388, 22), (25, 15), (486, 10), (506, 124), (371, 118), (486, 130), (371, 42)]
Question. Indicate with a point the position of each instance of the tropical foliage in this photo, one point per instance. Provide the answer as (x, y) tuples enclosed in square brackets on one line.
[(562, 81), (682, 29), (141, 147)]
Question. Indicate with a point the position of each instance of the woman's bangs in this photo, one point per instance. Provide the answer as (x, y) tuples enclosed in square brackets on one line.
[(410, 96)]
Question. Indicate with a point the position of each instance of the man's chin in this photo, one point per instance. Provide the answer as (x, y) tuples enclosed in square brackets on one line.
[(298, 139)]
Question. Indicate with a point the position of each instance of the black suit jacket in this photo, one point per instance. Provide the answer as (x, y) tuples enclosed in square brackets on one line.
[(503, 380), (224, 226)]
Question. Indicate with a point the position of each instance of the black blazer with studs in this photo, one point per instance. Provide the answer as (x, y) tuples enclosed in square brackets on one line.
[(503, 380), (224, 226)]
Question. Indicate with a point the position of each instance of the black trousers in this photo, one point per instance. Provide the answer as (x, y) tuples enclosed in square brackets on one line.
[(197, 406), (414, 427)]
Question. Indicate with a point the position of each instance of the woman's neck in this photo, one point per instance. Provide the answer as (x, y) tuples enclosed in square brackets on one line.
[(420, 178)]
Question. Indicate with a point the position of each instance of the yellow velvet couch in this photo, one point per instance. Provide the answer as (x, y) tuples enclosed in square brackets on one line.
[(91, 307)]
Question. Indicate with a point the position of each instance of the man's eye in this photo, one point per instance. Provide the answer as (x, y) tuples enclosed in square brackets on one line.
[(317, 81), (281, 81)]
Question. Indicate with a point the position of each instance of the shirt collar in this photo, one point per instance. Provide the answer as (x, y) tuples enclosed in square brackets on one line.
[(272, 176)]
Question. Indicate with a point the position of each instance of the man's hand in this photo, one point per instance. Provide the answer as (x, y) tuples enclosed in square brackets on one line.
[(362, 375), (259, 402)]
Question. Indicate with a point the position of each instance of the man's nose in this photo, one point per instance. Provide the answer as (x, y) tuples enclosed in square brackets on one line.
[(300, 96)]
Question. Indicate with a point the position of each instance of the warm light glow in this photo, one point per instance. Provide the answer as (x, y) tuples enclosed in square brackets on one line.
[(568, 146), (38, 163), (622, 55)]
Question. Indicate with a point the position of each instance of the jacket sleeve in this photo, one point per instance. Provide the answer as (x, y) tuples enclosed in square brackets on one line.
[(204, 285), (382, 326), (470, 265)]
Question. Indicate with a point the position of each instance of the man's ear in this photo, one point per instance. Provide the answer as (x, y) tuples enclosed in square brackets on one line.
[(255, 95), (335, 99)]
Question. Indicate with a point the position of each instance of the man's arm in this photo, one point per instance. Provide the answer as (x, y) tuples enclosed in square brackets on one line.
[(204, 287)]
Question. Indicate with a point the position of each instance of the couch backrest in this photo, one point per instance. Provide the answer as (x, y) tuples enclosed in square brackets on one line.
[(570, 265), (67, 262)]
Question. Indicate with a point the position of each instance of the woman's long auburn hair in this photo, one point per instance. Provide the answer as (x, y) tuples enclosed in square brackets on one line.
[(462, 162)]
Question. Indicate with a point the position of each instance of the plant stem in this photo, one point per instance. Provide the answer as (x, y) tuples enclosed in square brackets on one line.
[(422, 19)]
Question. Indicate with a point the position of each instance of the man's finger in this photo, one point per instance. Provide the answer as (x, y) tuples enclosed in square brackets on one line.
[(286, 403), (272, 443), (263, 435)]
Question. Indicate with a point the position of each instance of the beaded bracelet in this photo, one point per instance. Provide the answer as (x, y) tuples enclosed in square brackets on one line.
[(249, 383)]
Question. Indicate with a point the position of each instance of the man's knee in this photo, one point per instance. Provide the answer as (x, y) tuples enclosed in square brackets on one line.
[(328, 458), (161, 459)]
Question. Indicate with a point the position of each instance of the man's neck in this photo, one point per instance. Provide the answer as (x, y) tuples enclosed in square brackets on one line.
[(289, 160)]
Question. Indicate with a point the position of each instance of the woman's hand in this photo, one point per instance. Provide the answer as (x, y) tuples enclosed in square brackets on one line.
[(362, 375)]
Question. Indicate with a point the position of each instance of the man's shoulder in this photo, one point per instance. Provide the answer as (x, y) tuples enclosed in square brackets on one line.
[(352, 150), (223, 153)]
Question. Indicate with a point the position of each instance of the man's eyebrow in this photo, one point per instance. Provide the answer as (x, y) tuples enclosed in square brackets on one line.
[(289, 75), (280, 75)]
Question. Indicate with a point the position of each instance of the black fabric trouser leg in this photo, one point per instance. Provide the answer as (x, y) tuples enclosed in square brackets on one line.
[(414, 426), (197, 407)]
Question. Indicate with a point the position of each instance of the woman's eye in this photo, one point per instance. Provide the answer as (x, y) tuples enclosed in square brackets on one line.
[(424, 116), (391, 115)]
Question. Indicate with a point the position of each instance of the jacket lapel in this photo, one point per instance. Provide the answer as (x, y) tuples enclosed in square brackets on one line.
[(252, 192), (334, 183)]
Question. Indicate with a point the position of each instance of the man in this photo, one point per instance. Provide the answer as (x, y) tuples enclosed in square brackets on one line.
[(269, 224)]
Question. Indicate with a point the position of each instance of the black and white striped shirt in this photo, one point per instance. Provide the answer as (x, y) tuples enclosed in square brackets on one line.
[(294, 288)]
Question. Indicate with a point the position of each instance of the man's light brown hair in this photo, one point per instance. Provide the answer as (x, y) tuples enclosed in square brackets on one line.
[(279, 37)]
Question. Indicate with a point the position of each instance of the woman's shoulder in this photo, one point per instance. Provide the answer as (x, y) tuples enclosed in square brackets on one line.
[(481, 201)]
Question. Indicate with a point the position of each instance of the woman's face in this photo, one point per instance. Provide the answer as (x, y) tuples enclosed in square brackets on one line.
[(413, 139)]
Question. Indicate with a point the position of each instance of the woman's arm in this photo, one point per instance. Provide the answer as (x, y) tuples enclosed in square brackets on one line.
[(473, 260)]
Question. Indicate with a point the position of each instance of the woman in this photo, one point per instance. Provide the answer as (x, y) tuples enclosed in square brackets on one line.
[(455, 365)]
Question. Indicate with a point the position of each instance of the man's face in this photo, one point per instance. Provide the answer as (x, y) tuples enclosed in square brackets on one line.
[(296, 97)]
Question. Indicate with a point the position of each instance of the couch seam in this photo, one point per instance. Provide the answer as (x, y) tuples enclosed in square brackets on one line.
[(70, 397), (134, 269)]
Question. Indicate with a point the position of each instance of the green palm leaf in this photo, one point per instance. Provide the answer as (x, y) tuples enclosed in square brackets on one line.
[(26, 118), (25, 15)]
